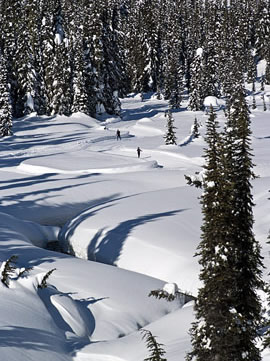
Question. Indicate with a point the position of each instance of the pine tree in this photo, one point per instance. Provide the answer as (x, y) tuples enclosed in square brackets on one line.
[(173, 59), (170, 137), (5, 106), (43, 284), (196, 96), (195, 129), (226, 325), (210, 56), (247, 260), (264, 104), (263, 29), (267, 71), (8, 269), (78, 59), (156, 349), (61, 84)]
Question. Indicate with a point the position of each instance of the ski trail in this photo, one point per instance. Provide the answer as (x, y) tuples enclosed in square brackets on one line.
[(79, 145), (96, 357)]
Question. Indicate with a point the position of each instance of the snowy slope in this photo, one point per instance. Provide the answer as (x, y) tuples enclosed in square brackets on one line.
[(132, 225)]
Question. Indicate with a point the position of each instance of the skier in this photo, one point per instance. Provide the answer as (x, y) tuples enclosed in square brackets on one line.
[(139, 152), (118, 135)]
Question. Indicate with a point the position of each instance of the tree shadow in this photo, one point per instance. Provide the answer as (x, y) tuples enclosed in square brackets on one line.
[(74, 341), (90, 211), (30, 204), (109, 248), (29, 338)]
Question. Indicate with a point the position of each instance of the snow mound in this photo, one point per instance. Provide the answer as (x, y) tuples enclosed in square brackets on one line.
[(170, 288), (211, 100), (81, 163), (140, 233), (68, 310), (140, 129), (33, 233)]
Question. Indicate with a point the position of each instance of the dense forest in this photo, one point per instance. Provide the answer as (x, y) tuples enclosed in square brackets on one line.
[(65, 56), (61, 56)]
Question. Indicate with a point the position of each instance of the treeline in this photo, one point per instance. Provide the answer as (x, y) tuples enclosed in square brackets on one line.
[(64, 56)]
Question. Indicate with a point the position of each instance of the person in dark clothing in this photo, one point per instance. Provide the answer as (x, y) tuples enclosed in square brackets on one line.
[(118, 135), (139, 152)]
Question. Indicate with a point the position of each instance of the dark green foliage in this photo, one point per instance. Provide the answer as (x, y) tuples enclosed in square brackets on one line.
[(156, 349), (64, 56), (193, 181), (267, 71), (195, 130), (8, 271), (5, 104), (24, 271), (266, 341), (170, 136), (159, 294), (264, 104), (43, 283), (197, 92), (254, 106), (226, 325)]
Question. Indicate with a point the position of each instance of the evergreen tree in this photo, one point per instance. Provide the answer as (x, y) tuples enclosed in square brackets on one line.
[(173, 58), (267, 71), (195, 129), (226, 325), (197, 92), (156, 349), (263, 29), (170, 137), (246, 249), (61, 85), (5, 107), (143, 46), (210, 57)]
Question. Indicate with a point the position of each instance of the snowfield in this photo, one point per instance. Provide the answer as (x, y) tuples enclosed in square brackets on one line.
[(125, 226)]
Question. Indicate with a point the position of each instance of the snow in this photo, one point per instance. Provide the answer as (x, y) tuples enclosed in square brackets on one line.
[(199, 52), (211, 100), (170, 288), (131, 226)]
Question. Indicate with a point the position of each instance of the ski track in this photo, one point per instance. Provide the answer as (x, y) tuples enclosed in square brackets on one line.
[(39, 150), (96, 357)]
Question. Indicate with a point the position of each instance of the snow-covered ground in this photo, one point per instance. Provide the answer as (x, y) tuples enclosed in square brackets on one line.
[(132, 225)]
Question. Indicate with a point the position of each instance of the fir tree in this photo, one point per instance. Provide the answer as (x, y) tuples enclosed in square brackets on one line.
[(8, 269), (195, 129), (197, 92), (170, 137), (5, 106), (263, 29), (43, 283), (254, 106), (226, 325), (267, 71), (156, 349), (248, 261)]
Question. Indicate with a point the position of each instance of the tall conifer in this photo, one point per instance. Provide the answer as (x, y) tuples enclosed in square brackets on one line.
[(5, 107), (228, 308)]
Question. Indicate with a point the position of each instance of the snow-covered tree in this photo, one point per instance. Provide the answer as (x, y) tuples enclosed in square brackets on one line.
[(5, 106), (197, 92), (226, 325), (195, 129), (170, 136)]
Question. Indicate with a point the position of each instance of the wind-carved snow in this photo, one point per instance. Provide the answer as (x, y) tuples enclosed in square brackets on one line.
[(134, 222)]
